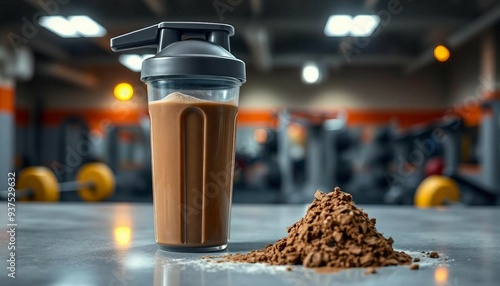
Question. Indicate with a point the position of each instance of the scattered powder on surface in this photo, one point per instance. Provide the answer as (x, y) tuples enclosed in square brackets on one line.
[(414, 267), (370, 270), (334, 234), (213, 266), (218, 263), (433, 254)]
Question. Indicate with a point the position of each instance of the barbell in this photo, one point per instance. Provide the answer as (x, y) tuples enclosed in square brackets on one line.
[(94, 182)]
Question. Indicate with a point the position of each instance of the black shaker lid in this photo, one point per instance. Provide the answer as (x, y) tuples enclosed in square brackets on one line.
[(185, 49)]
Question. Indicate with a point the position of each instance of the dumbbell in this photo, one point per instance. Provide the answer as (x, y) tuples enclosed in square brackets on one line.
[(94, 182)]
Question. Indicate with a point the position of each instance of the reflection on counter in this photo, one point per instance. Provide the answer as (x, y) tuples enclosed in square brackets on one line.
[(441, 275), (122, 235), (122, 229)]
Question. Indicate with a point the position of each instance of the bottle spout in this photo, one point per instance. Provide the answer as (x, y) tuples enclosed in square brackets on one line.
[(165, 33)]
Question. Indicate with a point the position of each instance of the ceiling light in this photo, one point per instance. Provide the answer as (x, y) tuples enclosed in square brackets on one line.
[(86, 26), (338, 25), (58, 25), (364, 25), (310, 73), (345, 25), (133, 62), (73, 26), (441, 53)]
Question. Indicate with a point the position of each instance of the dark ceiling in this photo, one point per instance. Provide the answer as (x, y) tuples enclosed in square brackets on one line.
[(269, 34)]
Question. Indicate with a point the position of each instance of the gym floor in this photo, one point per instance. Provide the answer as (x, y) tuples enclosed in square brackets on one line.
[(113, 245), (396, 102)]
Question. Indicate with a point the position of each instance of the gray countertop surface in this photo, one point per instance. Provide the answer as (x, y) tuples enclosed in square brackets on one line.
[(113, 244)]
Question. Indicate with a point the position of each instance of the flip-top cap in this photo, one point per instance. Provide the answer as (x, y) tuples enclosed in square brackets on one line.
[(185, 49)]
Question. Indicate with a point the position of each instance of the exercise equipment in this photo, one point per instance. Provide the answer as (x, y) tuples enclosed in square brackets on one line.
[(338, 164), (434, 166), (321, 166), (37, 184), (94, 182), (413, 148), (74, 133), (380, 153), (436, 191), (452, 146), (490, 142)]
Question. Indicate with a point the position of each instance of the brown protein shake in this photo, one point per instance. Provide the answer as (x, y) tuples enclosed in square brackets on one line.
[(192, 143), (193, 89)]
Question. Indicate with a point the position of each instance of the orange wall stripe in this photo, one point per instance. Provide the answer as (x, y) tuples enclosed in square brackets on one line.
[(472, 115), (264, 117), (6, 99), (267, 117), (405, 118)]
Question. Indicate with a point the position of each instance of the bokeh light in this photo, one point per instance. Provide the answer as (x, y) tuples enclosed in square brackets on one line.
[(311, 73), (441, 275), (260, 135), (441, 53), (123, 91)]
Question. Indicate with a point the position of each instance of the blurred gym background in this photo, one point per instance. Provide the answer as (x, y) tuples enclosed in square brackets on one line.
[(371, 95)]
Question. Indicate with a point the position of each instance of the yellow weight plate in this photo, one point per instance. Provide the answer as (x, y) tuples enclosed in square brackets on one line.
[(102, 178), (41, 181), (435, 191)]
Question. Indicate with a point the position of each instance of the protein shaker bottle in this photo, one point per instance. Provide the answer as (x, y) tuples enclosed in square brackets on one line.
[(193, 87)]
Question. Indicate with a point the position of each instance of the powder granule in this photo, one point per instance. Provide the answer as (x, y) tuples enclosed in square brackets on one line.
[(333, 233)]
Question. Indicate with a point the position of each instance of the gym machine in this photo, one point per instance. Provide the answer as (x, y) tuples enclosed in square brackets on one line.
[(74, 131), (325, 167), (134, 184), (370, 183), (338, 142), (439, 190), (413, 150)]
